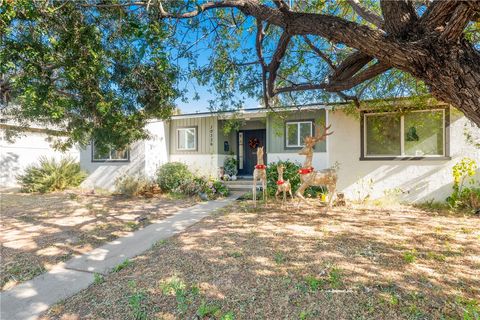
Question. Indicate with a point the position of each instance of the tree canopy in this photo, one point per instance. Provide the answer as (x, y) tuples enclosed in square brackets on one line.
[(296, 50), (97, 74), (105, 67)]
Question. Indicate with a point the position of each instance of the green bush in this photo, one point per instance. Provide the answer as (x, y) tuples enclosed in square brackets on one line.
[(175, 177), (230, 166), (466, 198), (216, 188), (172, 175), (466, 193), (51, 175), (290, 172), (212, 188)]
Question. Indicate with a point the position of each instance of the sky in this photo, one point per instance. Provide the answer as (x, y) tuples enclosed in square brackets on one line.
[(202, 46), (202, 105)]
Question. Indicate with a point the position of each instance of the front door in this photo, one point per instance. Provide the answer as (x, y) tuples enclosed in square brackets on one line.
[(247, 152)]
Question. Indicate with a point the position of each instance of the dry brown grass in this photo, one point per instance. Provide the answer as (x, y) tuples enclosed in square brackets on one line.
[(352, 263), (38, 231)]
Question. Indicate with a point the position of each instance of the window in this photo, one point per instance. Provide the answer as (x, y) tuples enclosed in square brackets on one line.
[(240, 150), (187, 138), (414, 134), (296, 131), (110, 154), (383, 135)]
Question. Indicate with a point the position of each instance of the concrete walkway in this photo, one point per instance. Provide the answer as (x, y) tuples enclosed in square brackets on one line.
[(29, 299)]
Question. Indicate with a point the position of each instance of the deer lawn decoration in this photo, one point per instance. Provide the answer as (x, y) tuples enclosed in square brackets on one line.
[(260, 173), (282, 185), (310, 177)]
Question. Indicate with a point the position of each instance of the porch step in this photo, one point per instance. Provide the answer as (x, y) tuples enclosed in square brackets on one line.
[(242, 188), (240, 182), (244, 185)]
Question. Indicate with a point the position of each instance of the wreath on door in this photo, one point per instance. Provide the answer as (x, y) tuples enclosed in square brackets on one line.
[(253, 143)]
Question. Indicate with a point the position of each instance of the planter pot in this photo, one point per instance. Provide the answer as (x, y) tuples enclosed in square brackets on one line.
[(233, 178), (203, 196)]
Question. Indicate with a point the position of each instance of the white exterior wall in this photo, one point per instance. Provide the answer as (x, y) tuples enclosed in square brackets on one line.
[(102, 175), (24, 151), (145, 157), (419, 180), (200, 164), (156, 148)]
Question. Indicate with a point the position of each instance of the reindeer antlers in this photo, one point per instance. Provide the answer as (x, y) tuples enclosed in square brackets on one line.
[(319, 137), (311, 140)]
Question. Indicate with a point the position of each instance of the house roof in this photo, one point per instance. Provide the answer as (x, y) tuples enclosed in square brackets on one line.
[(256, 112), (261, 112)]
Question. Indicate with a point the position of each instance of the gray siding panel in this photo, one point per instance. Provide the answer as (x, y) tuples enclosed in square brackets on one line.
[(276, 129), (204, 125)]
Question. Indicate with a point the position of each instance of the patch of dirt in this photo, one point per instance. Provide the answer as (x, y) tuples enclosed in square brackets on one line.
[(39, 230), (274, 263)]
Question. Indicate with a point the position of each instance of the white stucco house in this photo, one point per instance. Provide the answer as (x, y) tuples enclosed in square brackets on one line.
[(411, 154), (378, 152), (26, 149)]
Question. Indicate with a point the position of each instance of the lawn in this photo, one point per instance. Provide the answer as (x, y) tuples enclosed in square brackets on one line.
[(37, 231), (243, 263)]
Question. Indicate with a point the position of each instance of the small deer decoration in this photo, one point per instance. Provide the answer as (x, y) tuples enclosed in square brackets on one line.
[(310, 177), (260, 173), (282, 185)]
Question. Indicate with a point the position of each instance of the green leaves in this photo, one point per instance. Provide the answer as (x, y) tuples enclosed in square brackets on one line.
[(51, 175), (99, 73)]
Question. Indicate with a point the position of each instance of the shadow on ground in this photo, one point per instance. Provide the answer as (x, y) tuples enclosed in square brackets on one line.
[(274, 263), (38, 231)]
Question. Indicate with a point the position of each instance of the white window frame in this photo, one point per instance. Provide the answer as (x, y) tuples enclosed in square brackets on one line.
[(240, 150), (298, 123), (110, 159), (186, 139), (402, 136)]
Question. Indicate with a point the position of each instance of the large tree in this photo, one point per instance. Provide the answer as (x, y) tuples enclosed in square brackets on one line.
[(95, 74), (289, 50), (435, 41)]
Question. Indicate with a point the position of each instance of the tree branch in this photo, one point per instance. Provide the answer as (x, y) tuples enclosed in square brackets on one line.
[(368, 73), (438, 14), (319, 52), (350, 65), (258, 47), (335, 29), (366, 14), (337, 86), (457, 23), (282, 5), (276, 61), (399, 16)]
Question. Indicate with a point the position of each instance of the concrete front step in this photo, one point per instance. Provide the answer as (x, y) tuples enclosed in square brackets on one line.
[(239, 183), (242, 185), (240, 188)]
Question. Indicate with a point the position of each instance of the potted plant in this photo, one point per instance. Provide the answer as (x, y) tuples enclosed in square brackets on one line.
[(230, 167)]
